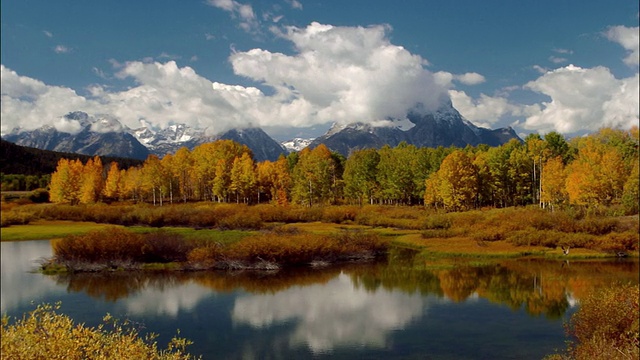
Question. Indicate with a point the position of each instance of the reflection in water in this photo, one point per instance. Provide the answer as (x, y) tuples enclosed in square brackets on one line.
[(357, 307), (19, 285), (333, 314)]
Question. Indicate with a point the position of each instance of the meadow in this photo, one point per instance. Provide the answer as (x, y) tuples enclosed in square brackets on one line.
[(211, 235)]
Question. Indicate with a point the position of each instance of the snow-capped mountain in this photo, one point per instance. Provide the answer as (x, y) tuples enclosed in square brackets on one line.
[(296, 144), (443, 127), (170, 139), (79, 132), (104, 135)]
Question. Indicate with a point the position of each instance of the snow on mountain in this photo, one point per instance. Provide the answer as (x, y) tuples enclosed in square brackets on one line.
[(296, 144)]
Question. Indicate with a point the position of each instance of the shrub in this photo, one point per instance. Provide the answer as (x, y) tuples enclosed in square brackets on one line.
[(597, 225), (606, 326), (532, 237), (619, 242), (39, 196), (109, 245), (339, 214), (15, 217), (204, 256), (437, 222), (305, 248), (45, 334), (491, 234), (241, 221), (162, 246)]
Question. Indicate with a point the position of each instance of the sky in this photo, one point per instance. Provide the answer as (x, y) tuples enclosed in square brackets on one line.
[(294, 67)]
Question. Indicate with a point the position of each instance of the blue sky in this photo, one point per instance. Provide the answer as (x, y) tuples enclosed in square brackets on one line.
[(294, 67)]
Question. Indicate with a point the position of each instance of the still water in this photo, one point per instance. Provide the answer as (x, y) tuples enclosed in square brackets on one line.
[(405, 307)]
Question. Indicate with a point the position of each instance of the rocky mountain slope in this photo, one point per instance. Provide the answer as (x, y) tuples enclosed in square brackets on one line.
[(444, 127)]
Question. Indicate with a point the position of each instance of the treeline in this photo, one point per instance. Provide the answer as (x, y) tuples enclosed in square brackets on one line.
[(597, 170), (22, 167), (21, 182)]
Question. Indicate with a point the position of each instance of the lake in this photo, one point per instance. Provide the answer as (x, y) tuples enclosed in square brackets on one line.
[(405, 307)]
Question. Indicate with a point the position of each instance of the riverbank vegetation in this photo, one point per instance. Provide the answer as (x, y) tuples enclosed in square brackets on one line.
[(606, 326), (522, 198), (512, 231), (44, 333), (118, 248)]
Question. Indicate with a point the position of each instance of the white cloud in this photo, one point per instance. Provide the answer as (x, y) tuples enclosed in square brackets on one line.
[(61, 49), (334, 74), (30, 103), (337, 74), (243, 12), (345, 74), (584, 99), (295, 4), (470, 78), (563, 51), (485, 111), (557, 60), (540, 69), (48, 34), (629, 38)]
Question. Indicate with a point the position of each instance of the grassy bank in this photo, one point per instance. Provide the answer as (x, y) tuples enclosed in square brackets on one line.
[(118, 248), (509, 232)]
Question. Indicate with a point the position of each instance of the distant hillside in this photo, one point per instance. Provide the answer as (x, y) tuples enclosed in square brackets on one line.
[(16, 159)]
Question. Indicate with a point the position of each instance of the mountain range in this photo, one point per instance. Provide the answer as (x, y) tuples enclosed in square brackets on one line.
[(104, 135), (443, 127)]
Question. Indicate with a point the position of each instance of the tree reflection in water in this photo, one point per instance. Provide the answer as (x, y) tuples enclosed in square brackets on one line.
[(541, 287)]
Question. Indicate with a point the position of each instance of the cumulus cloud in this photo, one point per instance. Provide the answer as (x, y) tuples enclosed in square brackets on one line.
[(243, 12), (629, 38), (470, 78), (584, 99), (334, 74), (344, 74), (30, 103), (484, 111)]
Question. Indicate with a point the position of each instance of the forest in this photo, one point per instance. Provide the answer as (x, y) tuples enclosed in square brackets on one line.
[(600, 169)]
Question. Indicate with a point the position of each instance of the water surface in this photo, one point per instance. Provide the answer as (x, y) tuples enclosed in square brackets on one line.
[(401, 308)]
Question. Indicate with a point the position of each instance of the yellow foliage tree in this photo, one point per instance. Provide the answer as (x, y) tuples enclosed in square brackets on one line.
[(458, 183), (112, 183), (596, 176), (65, 182), (92, 181), (553, 179), (243, 177)]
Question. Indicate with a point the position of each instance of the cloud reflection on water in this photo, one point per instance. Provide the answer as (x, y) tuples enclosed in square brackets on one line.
[(19, 285), (166, 300), (332, 314)]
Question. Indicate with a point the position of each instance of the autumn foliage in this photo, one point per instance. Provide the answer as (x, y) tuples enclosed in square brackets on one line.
[(120, 248), (594, 171), (44, 333), (606, 326)]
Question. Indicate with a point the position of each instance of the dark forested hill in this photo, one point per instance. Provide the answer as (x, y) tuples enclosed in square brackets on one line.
[(16, 159)]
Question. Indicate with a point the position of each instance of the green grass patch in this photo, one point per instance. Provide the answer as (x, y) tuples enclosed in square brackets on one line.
[(223, 237), (43, 230)]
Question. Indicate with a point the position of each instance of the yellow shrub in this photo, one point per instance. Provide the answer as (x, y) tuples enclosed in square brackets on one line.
[(45, 334)]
